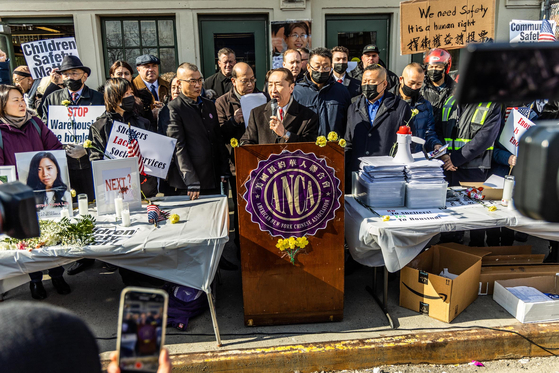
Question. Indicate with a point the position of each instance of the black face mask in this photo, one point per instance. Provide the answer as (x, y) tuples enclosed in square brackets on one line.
[(128, 103), (340, 68), (73, 84), (407, 91), (435, 75), (320, 77), (370, 91)]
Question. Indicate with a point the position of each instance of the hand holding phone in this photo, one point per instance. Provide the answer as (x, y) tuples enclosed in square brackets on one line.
[(141, 330), (165, 365)]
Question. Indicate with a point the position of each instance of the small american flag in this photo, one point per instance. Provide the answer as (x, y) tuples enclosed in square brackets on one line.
[(546, 32), (524, 111), (134, 149), (155, 214)]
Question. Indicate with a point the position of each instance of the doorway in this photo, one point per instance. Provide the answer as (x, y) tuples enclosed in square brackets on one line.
[(356, 31), (248, 37)]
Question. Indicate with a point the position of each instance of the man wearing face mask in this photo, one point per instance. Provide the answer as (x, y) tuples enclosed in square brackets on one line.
[(340, 57), (439, 86), (373, 120), (409, 90), (371, 56), (320, 92), (74, 75)]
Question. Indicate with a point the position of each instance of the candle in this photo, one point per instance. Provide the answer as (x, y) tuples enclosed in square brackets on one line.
[(125, 215), (64, 213), (118, 207), (82, 204), (507, 190)]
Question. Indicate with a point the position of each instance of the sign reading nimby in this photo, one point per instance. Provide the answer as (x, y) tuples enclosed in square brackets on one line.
[(44, 55), (71, 124), (515, 127), (447, 24), (527, 31), (157, 150)]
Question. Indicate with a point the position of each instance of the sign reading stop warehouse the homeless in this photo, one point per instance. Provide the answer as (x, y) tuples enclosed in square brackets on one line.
[(444, 24), (45, 55)]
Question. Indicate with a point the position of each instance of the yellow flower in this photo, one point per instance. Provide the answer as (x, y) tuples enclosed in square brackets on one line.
[(321, 141), (302, 242), (88, 144), (386, 218), (292, 242), (281, 244), (66, 103), (332, 136), (234, 143), (493, 208), (73, 192), (414, 112), (342, 143), (174, 218)]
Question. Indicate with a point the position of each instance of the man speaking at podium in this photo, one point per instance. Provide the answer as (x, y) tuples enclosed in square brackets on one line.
[(282, 120)]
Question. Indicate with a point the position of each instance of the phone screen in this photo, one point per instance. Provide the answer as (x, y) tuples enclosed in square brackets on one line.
[(142, 330)]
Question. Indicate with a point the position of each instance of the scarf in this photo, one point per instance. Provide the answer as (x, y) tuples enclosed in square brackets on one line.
[(16, 122)]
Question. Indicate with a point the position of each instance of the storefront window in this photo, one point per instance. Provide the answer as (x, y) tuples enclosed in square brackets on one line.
[(128, 38)]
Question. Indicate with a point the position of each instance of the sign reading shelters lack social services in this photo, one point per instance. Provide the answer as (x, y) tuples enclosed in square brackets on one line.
[(44, 55), (448, 24)]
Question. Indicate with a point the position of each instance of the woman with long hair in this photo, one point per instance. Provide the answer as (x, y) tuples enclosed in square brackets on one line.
[(21, 132), (46, 180)]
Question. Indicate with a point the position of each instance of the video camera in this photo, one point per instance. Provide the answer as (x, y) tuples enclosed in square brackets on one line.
[(517, 74), (18, 214)]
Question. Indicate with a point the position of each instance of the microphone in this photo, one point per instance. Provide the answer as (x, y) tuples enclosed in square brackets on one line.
[(275, 107)]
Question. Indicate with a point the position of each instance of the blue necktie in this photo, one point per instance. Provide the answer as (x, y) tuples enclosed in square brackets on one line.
[(154, 93)]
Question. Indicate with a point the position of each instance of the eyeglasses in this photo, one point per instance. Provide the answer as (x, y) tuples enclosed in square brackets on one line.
[(72, 75), (297, 36), (247, 81), (321, 69), (21, 79), (192, 81)]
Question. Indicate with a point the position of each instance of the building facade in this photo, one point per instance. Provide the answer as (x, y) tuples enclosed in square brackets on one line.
[(193, 30)]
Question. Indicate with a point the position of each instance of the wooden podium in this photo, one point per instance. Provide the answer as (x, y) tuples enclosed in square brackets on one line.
[(274, 290)]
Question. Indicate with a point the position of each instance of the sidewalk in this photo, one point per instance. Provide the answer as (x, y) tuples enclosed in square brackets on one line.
[(363, 339)]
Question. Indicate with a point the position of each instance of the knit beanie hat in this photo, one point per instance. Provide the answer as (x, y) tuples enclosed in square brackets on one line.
[(47, 339)]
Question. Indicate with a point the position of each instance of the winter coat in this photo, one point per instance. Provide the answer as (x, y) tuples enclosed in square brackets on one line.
[(25, 139), (5, 74), (200, 156), (330, 103), (218, 82), (353, 85), (437, 97), (163, 90), (364, 139), (392, 78), (299, 120)]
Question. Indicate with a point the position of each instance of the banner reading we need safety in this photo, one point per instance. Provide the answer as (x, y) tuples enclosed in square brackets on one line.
[(515, 126), (157, 150)]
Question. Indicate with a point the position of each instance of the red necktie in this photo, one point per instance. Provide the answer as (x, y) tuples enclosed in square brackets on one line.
[(74, 97), (340, 81), (281, 114)]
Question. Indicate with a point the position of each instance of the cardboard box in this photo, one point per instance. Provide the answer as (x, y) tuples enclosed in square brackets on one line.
[(489, 275), (501, 255), (423, 290), (488, 192), (529, 312)]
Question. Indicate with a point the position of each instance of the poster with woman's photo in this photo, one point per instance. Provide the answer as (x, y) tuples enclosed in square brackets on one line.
[(46, 172), (289, 35)]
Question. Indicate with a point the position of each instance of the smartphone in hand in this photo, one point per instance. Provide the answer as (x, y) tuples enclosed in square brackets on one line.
[(141, 329)]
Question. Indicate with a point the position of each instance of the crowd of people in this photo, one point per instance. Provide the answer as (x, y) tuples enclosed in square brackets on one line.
[(315, 94)]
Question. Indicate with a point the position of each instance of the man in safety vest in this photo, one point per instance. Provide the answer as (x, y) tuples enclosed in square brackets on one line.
[(470, 131)]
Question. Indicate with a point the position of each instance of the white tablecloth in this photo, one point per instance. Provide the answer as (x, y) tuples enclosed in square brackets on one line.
[(186, 253), (375, 243)]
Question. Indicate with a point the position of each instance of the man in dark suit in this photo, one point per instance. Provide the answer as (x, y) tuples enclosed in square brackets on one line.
[(200, 158), (293, 122), (220, 82), (340, 57), (74, 75)]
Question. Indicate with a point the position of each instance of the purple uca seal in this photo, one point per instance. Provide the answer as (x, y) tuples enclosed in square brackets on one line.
[(292, 194)]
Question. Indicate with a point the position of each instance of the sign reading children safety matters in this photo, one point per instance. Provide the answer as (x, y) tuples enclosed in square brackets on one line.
[(447, 24), (45, 55), (157, 150), (71, 124)]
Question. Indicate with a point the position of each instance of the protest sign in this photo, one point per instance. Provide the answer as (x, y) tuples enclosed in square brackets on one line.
[(444, 24), (527, 31), (157, 150), (44, 55), (71, 124), (515, 126)]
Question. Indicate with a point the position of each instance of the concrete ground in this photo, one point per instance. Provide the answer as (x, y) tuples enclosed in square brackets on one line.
[(95, 298)]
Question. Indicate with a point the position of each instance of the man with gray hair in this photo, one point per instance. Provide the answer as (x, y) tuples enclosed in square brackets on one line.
[(220, 82)]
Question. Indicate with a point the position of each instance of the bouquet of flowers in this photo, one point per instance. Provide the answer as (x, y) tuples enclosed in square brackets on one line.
[(292, 246)]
